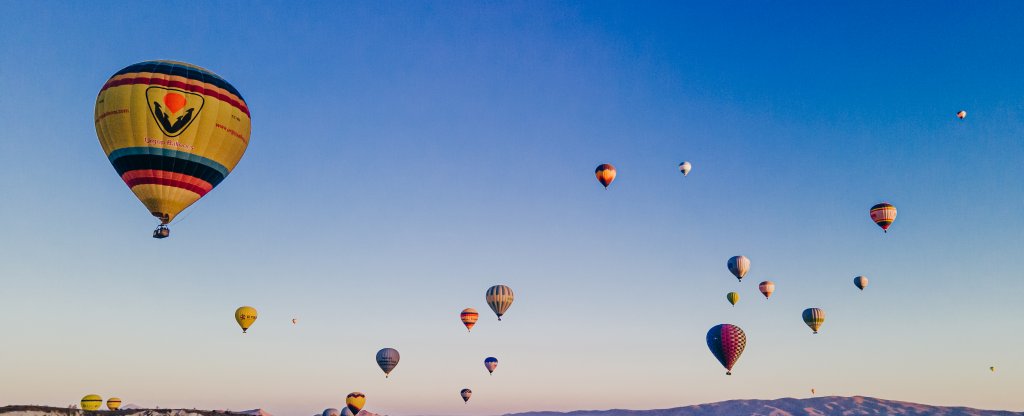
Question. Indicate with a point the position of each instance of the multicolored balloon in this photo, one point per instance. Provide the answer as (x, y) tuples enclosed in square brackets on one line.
[(766, 287), (861, 282), (605, 174), (295, 321), (732, 297), (92, 402), (499, 298), (814, 318), (245, 316), (469, 317), (387, 359), (738, 266), (727, 342), (331, 412), (491, 363), (466, 393), (961, 114), (883, 214), (355, 402), (684, 168), (346, 412), (113, 403), (173, 131)]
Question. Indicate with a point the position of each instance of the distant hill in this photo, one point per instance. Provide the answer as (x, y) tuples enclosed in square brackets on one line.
[(817, 406)]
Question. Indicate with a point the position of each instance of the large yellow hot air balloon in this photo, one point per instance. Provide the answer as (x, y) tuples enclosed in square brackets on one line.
[(92, 402), (173, 131), (245, 316), (113, 403)]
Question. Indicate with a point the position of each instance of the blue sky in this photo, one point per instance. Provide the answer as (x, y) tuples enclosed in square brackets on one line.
[(405, 156)]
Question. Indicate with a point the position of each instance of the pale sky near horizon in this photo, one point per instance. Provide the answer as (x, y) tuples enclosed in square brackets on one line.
[(405, 156)]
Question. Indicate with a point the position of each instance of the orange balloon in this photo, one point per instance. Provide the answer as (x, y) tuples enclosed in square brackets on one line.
[(605, 174)]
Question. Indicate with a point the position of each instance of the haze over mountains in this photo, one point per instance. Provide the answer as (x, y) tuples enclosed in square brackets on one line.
[(817, 406)]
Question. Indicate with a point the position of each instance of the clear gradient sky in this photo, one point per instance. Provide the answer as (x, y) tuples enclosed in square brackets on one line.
[(405, 156)]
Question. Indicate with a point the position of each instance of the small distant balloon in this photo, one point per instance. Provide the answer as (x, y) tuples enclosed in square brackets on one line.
[(331, 412), (346, 412), (814, 318), (738, 266), (726, 342), (466, 393), (355, 402), (387, 359), (812, 391), (962, 114), (113, 403), (684, 168), (295, 321), (605, 174), (883, 214), (992, 369), (732, 297), (469, 317), (491, 363), (92, 402), (766, 287), (245, 316), (861, 282), (499, 298)]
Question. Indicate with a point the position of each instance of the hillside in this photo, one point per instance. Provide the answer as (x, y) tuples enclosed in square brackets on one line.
[(818, 406)]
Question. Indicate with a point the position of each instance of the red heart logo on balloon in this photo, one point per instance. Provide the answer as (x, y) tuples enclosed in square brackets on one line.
[(174, 102)]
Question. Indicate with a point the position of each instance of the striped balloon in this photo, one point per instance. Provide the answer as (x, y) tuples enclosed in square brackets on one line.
[(499, 298), (469, 317), (814, 317), (861, 282), (727, 342), (738, 266), (883, 214), (766, 287), (491, 363), (685, 168), (466, 393), (732, 297), (387, 359), (173, 131), (355, 402), (605, 174)]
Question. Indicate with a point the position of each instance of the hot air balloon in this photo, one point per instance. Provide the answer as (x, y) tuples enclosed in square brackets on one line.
[(245, 316), (387, 359), (684, 168), (331, 412), (173, 131), (499, 298), (812, 391), (814, 317), (466, 393), (767, 288), (883, 214), (355, 402), (92, 402), (469, 317), (739, 265), (861, 282), (992, 369), (961, 114), (346, 412), (727, 342), (732, 297), (491, 363), (113, 403), (605, 174), (295, 321)]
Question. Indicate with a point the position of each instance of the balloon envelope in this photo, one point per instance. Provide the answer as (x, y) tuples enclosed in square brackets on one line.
[(387, 359), (738, 266), (355, 402), (469, 317), (331, 412), (499, 298), (883, 215), (962, 114), (113, 403), (685, 168), (491, 363), (732, 297), (605, 174), (173, 131), (766, 287), (346, 412), (466, 393), (814, 318), (726, 342), (245, 316), (861, 282), (92, 402)]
